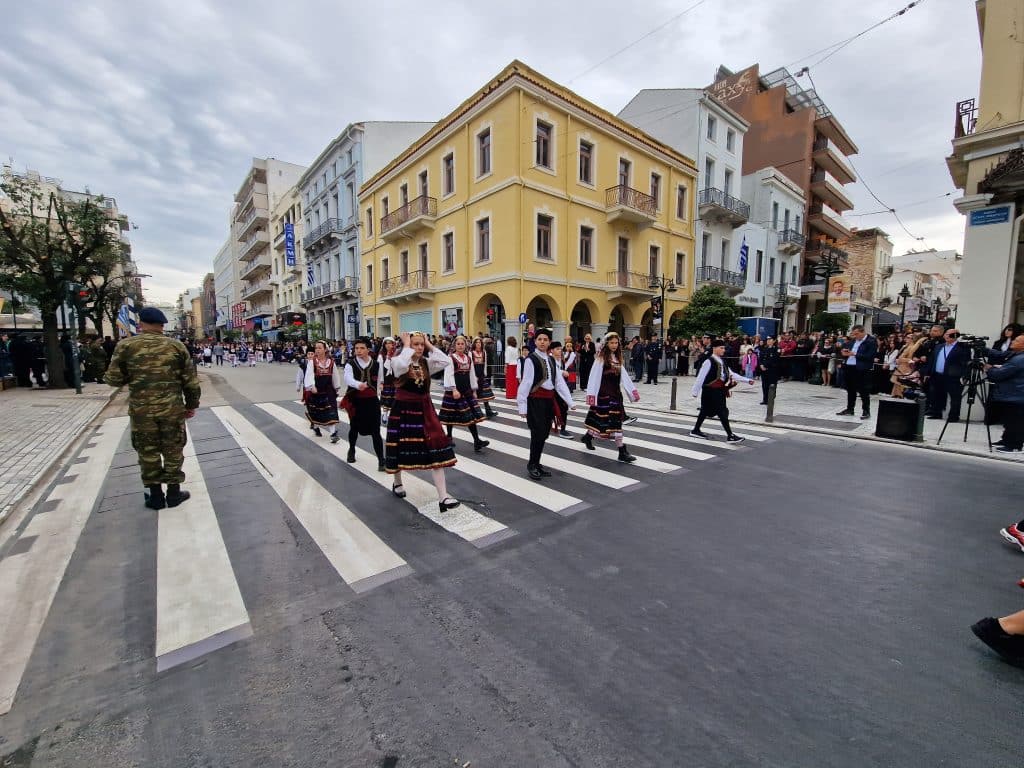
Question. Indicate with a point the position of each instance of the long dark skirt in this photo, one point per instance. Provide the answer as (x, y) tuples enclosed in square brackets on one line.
[(461, 412), (605, 418), (416, 439), (322, 408)]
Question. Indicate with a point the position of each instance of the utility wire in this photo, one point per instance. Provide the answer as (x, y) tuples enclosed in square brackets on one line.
[(902, 207), (836, 47)]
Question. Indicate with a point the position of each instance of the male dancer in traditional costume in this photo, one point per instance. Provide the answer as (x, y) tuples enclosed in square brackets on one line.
[(536, 398), (362, 374)]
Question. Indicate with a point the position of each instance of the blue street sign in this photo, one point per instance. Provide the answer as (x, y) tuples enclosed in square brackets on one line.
[(523, 317), (985, 216), (289, 243)]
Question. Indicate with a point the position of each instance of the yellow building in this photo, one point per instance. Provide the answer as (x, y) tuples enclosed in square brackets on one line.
[(527, 199)]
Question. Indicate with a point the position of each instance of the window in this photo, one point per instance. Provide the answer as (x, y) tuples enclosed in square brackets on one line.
[(323, 180), (771, 271), (544, 131), (383, 207), (681, 202), (586, 162), (544, 226), (403, 264), (483, 147), (730, 140), (385, 272), (793, 273), (785, 219), (369, 278), (622, 264), (653, 262), (424, 180), (448, 182), (725, 254), (680, 269), (727, 182), (369, 222), (775, 215), (709, 173), (424, 258), (712, 127), (796, 223), (625, 169), (705, 248), (448, 246), (483, 241), (403, 194), (759, 267), (656, 190), (348, 157), (586, 247), (351, 188)]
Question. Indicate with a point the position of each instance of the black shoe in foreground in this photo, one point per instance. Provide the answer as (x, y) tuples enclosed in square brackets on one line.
[(1006, 449), (335, 437), (735, 439), (155, 498), (176, 496), (588, 440), (1009, 647), (846, 412), (351, 458), (448, 503), (543, 471), (865, 416), (698, 433), (533, 472), (625, 455), (317, 432), (479, 446)]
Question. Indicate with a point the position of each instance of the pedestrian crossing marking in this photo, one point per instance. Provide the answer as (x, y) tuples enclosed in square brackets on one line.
[(463, 521), (361, 559), (199, 606), (29, 582)]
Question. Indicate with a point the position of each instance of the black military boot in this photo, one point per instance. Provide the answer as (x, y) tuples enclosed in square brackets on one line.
[(175, 495), (155, 498), (625, 455), (588, 440), (488, 411)]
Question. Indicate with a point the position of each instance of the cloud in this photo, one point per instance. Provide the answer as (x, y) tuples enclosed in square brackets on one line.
[(163, 103)]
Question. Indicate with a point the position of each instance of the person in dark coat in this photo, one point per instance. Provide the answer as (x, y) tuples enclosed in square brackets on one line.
[(947, 365), (585, 359), (21, 360), (38, 361), (858, 360), (652, 354), (769, 366)]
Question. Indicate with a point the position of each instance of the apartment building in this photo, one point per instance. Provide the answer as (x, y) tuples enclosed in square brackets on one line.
[(793, 130), (527, 200), (870, 270), (987, 163), (933, 278), (329, 191), (265, 183), (287, 262), (226, 284)]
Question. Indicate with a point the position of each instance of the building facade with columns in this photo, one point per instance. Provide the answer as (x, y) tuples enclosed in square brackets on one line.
[(329, 193), (287, 268), (527, 200)]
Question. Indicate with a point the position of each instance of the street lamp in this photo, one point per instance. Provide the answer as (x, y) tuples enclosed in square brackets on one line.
[(903, 294), (665, 285)]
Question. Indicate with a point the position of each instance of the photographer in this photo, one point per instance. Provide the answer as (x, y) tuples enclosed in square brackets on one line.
[(1008, 391), (947, 365)]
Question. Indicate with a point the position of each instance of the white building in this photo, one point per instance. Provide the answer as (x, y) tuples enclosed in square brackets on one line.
[(931, 276), (225, 282)]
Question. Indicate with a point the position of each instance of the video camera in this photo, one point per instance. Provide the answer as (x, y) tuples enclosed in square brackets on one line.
[(979, 348)]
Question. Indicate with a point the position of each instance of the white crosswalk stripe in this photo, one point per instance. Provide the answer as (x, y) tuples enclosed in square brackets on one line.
[(464, 522), (357, 554)]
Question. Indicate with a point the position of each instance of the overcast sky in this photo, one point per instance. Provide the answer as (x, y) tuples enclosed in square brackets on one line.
[(163, 103)]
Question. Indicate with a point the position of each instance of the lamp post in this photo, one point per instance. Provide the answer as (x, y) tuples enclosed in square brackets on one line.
[(663, 284), (903, 294)]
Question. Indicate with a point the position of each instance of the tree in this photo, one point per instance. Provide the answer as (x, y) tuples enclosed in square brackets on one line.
[(48, 241), (836, 322), (709, 311)]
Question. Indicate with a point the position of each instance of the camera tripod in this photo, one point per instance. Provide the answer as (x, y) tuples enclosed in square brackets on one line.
[(975, 384)]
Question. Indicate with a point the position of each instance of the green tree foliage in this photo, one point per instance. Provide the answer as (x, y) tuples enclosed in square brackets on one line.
[(709, 311), (838, 322), (46, 242)]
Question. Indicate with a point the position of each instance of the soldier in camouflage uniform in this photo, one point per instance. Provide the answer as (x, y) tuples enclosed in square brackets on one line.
[(163, 392)]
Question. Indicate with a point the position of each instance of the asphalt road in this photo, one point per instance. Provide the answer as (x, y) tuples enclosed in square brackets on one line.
[(801, 601)]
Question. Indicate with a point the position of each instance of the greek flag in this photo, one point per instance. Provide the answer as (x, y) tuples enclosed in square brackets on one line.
[(744, 250), (127, 322), (310, 279)]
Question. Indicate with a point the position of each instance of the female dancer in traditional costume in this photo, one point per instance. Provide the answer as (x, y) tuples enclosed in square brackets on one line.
[(459, 407), (416, 440), (362, 374), (322, 383), (484, 393), (608, 378)]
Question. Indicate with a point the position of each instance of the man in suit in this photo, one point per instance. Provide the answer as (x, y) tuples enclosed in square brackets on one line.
[(652, 353), (858, 358), (768, 365), (947, 365)]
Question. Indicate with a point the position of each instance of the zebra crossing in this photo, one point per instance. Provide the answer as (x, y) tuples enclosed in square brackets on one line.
[(358, 532)]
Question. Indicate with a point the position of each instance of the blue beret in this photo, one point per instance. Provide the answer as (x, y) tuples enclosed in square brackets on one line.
[(152, 315)]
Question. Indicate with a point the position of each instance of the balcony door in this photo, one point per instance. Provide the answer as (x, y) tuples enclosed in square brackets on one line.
[(403, 265), (622, 265), (625, 168), (424, 261)]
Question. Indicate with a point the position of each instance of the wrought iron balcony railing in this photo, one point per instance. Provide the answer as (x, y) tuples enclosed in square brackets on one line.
[(420, 206), (716, 197), (721, 277), (631, 198), (413, 281), (636, 281)]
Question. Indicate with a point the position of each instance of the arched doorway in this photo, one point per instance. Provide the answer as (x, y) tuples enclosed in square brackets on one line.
[(648, 330), (581, 319), (540, 312), (675, 318), (489, 316), (620, 317)]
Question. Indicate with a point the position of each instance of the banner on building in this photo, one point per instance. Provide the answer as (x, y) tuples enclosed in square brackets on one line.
[(912, 310), (238, 315), (838, 295), (289, 244)]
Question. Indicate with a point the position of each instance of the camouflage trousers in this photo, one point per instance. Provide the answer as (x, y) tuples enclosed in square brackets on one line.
[(160, 443)]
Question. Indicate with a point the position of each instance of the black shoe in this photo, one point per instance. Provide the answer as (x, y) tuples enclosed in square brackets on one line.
[(762, 403), (543, 471), (155, 498), (533, 472), (1009, 647), (448, 503), (480, 445), (588, 440), (847, 412), (489, 413), (335, 437), (175, 495), (631, 420), (381, 467), (565, 433), (317, 432), (698, 433), (866, 415), (625, 455), (398, 490), (1006, 449), (735, 439), (351, 458)]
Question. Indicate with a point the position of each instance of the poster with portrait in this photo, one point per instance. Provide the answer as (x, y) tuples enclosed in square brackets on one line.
[(838, 295)]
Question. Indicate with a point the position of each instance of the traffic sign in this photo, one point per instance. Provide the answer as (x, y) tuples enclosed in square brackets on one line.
[(523, 318)]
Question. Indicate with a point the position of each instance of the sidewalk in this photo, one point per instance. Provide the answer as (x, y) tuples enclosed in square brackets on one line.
[(813, 408), (38, 426)]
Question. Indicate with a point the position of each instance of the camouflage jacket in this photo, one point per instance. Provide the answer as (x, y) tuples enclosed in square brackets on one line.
[(158, 371)]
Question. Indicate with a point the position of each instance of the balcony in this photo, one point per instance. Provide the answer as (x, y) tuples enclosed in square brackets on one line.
[(714, 205), (791, 241), (828, 188), (414, 216), (327, 228), (966, 118), (262, 310), (408, 287), (827, 155), (279, 241), (254, 244), (345, 286), (254, 268), (732, 282), (254, 289), (621, 283), (254, 188), (624, 203), (823, 219), (256, 217)]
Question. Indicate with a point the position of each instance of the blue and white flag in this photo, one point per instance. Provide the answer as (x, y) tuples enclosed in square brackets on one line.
[(744, 250), (127, 321), (310, 279)]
